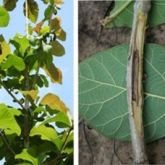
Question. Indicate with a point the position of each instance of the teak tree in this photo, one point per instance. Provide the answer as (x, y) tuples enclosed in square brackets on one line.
[(39, 130), (112, 85)]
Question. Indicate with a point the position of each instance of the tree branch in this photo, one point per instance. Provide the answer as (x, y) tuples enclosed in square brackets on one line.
[(11, 94), (26, 115), (66, 139), (134, 80), (5, 141)]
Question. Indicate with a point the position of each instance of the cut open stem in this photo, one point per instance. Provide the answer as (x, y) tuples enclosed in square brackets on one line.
[(134, 80)]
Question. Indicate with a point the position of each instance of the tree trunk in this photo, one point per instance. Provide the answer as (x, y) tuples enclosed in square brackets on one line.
[(134, 80)]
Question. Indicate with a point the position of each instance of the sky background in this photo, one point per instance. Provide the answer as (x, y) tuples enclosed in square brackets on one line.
[(65, 63)]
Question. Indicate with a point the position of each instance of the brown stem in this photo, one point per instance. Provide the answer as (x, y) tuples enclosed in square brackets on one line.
[(134, 80)]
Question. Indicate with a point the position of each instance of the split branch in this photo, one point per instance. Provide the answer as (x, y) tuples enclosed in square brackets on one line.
[(134, 80)]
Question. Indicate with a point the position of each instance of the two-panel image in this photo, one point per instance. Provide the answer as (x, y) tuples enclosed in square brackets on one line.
[(82, 82)]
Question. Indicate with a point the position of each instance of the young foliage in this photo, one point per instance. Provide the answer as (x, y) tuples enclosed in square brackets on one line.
[(39, 129)]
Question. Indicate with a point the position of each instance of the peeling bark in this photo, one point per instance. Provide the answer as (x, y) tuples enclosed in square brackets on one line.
[(134, 80)]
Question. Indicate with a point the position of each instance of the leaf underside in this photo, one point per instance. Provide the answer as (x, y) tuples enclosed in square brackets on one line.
[(126, 16), (103, 94)]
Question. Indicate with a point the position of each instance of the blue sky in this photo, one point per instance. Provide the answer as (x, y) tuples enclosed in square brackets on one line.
[(65, 63)]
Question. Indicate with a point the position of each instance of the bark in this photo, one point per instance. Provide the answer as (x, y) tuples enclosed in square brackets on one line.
[(134, 80)]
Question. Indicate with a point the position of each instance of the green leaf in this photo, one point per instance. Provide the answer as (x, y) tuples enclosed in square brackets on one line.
[(4, 17), (21, 43), (102, 92), (25, 155), (45, 30), (9, 5), (61, 119), (48, 12), (5, 49), (57, 48), (14, 61), (123, 11), (33, 10), (156, 16), (54, 102), (8, 121), (46, 133), (39, 110)]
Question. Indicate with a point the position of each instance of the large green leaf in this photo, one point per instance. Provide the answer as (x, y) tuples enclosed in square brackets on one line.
[(25, 155), (4, 17), (14, 61), (122, 14), (8, 121), (46, 133), (102, 92), (21, 43), (61, 119)]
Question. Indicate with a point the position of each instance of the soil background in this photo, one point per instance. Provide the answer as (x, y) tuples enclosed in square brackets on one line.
[(94, 149)]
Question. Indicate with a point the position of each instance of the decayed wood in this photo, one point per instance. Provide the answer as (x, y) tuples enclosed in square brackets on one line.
[(134, 80)]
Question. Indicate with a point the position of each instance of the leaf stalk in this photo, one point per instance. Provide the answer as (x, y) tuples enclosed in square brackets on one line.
[(107, 20)]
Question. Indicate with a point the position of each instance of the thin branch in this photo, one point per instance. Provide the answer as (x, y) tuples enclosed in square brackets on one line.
[(26, 116), (59, 157), (11, 94), (63, 145), (5, 141)]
